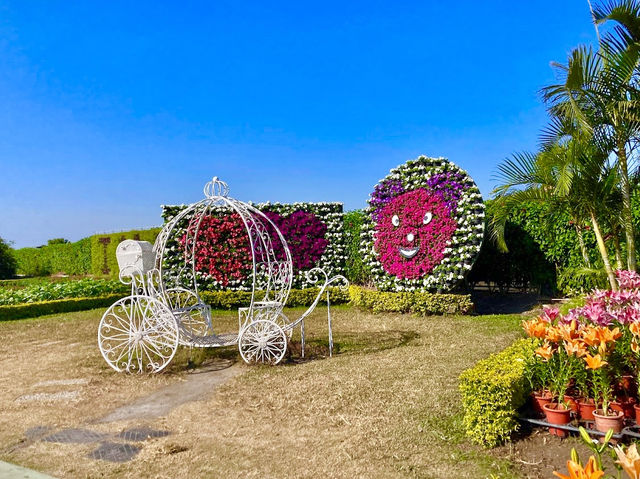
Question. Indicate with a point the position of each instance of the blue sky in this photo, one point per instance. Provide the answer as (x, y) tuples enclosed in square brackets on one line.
[(109, 109)]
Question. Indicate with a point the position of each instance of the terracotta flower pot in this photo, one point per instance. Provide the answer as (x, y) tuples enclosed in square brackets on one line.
[(613, 420), (637, 411), (586, 407), (557, 414), (572, 401), (540, 398), (625, 406)]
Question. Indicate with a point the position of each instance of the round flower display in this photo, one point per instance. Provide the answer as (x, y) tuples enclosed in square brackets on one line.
[(424, 228)]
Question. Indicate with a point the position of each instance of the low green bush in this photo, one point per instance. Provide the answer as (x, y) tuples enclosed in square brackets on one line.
[(420, 303), (492, 392), (297, 297), (41, 308), (47, 291)]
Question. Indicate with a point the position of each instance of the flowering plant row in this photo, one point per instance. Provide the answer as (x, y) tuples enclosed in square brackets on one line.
[(590, 352), (424, 226), (313, 232)]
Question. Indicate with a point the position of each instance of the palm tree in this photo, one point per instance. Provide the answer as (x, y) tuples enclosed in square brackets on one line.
[(598, 98), (573, 175)]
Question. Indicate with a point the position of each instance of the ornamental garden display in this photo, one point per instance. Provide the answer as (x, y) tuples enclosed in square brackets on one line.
[(141, 332), (424, 226)]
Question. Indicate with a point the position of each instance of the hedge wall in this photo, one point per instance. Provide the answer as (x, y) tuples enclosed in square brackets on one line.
[(41, 308), (103, 249), (67, 258), (420, 303), (493, 391)]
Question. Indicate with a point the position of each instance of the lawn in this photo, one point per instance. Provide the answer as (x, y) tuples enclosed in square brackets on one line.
[(386, 405)]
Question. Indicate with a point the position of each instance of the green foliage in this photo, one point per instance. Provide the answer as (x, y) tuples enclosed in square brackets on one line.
[(7, 260), (67, 258), (493, 390), (573, 281), (58, 241), (45, 291), (103, 249), (297, 297), (420, 303), (32, 310), (356, 270)]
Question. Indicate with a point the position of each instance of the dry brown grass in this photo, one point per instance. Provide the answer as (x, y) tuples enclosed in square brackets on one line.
[(385, 406)]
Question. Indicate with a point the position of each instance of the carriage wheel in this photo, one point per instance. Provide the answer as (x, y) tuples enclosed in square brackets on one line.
[(193, 320), (262, 341), (138, 334)]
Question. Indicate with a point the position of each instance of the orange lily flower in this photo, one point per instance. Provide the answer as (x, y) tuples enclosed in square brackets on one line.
[(569, 331), (606, 335), (553, 334), (630, 461), (535, 328), (575, 347), (576, 471), (590, 336), (635, 329), (545, 351), (595, 361), (635, 347)]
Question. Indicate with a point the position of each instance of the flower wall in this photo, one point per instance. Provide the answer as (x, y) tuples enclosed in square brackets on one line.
[(313, 231), (423, 227)]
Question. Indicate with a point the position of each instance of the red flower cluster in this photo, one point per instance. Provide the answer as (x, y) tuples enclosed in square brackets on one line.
[(222, 248)]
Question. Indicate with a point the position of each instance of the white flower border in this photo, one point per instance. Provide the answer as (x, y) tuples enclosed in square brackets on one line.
[(463, 248)]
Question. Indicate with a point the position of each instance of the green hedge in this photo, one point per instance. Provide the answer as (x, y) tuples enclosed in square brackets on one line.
[(492, 392), (67, 258), (356, 270), (103, 249), (419, 303), (32, 310), (215, 299), (297, 297)]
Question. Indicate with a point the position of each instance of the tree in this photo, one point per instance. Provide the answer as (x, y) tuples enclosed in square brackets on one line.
[(8, 263)]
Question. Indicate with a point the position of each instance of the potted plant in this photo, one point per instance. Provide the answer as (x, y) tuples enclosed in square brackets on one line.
[(559, 373)]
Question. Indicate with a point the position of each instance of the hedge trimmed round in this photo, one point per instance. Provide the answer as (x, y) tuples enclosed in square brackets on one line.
[(424, 226)]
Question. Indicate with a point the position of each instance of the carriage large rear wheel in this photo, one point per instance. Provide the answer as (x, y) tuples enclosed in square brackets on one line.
[(262, 341), (138, 334)]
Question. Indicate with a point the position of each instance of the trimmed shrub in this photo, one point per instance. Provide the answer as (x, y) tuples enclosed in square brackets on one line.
[(492, 392), (355, 269), (420, 303), (103, 249), (47, 291), (67, 258), (297, 297), (32, 310)]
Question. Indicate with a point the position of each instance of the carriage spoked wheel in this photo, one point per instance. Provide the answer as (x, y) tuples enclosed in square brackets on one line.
[(138, 334), (193, 318), (262, 341)]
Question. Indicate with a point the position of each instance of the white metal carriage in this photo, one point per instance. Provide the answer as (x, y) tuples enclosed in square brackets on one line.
[(142, 332)]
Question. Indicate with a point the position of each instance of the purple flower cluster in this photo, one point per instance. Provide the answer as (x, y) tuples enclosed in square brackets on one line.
[(305, 236), (383, 193), (448, 186), (605, 307)]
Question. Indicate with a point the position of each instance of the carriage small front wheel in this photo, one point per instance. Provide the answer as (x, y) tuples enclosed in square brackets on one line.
[(138, 334), (262, 341)]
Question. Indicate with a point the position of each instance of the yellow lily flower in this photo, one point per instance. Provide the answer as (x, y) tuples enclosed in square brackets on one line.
[(630, 461)]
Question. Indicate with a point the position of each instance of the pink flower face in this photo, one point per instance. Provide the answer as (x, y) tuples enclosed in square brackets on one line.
[(412, 232)]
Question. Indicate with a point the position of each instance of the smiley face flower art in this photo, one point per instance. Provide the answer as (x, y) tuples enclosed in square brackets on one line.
[(424, 227)]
